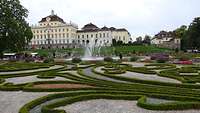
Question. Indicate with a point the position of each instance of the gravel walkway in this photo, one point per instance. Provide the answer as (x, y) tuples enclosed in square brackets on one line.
[(135, 64), (148, 77), (31, 71), (11, 102), (88, 72), (27, 79), (142, 76), (112, 106)]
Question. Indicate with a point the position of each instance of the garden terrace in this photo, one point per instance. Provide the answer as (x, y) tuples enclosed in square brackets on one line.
[(86, 82)]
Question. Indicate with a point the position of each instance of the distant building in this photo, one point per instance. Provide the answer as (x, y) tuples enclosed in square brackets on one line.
[(53, 32), (167, 40), (102, 36)]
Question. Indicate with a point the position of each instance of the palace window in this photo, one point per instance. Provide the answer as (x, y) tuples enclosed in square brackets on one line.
[(82, 36), (67, 35), (104, 35), (63, 35), (91, 35), (96, 35)]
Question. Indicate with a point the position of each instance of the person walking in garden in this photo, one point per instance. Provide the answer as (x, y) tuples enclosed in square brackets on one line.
[(120, 56)]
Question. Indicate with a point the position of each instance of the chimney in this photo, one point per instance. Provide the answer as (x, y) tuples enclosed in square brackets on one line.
[(52, 12)]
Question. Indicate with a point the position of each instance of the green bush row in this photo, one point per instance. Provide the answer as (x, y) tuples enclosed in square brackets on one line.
[(143, 70), (189, 86), (144, 87), (27, 107), (22, 66), (168, 106)]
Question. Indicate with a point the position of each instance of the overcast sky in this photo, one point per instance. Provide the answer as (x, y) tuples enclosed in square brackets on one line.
[(139, 17)]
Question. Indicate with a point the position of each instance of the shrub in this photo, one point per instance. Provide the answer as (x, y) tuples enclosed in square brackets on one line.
[(76, 60), (29, 59), (184, 57), (108, 59), (133, 58), (48, 60), (160, 57)]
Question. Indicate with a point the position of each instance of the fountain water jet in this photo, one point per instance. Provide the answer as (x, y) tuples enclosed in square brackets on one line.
[(92, 50)]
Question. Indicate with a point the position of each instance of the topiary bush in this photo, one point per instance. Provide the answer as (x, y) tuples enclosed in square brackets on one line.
[(108, 59), (76, 60), (133, 58), (184, 57), (48, 60)]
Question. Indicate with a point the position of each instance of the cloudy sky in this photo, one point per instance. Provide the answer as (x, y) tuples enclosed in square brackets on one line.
[(140, 17)]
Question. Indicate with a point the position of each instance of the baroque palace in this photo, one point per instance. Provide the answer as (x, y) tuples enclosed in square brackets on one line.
[(53, 32)]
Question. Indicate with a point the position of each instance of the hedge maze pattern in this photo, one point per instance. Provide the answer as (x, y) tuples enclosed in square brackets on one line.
[(86, 82)]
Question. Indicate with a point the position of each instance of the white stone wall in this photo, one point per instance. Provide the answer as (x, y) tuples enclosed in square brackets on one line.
[(57, 32)]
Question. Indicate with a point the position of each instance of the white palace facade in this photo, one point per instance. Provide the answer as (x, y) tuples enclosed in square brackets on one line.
[(53, 32)]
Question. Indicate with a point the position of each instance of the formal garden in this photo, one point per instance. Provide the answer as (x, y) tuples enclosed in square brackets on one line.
[(133, 77), (131, 85)]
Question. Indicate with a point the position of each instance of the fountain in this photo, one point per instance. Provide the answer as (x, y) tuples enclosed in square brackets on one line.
[(92, 50)]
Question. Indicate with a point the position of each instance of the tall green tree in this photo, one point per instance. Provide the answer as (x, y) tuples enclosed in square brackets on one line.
[(147, 39), (192, 36), (181, 33), (15, 32)]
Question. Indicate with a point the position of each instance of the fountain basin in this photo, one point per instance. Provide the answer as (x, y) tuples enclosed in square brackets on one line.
[(92, 58)]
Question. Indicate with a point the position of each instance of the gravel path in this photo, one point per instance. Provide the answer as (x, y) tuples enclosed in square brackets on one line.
[(88, 72), (31, 71), (112, 106), (27, 79), (142, 76), (148, 77), (135, 64), (11, 102)]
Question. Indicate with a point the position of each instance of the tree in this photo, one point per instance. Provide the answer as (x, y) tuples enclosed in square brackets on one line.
[(119, 42), (15, 32), (138, 40), (191, 39), (114, 42), (147, 39), (180, 33)]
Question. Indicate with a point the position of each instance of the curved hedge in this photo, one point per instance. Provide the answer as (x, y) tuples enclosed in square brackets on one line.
[(129, 89), (179, 105)]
